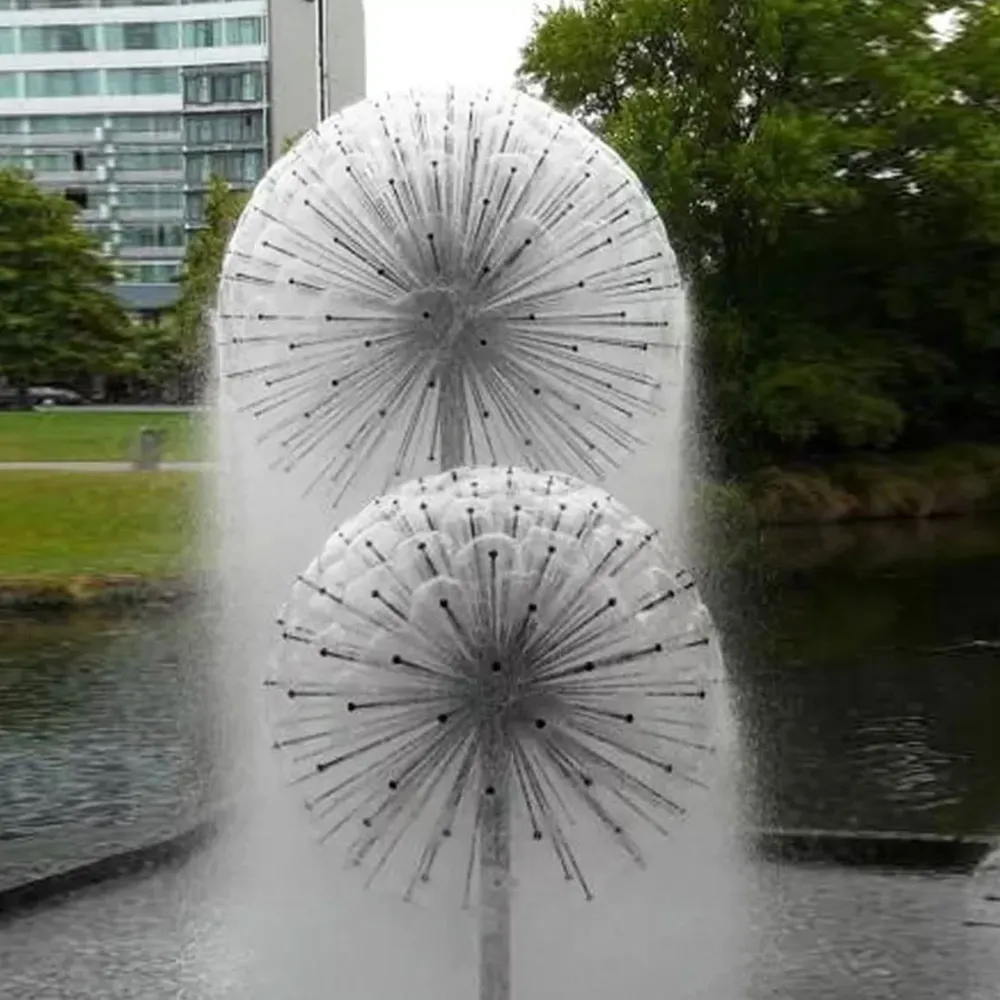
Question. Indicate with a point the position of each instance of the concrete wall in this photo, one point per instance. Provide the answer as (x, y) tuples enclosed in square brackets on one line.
[(346, 45), (293, 62)]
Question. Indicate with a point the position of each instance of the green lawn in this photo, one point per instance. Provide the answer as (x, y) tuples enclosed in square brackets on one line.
[(63, 524), (68, 436)]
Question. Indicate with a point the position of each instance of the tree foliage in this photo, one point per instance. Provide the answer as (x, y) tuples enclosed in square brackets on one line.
[(182, 345), (58, 312), (829, 173)]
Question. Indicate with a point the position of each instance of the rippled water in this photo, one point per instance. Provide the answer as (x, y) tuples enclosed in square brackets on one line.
[(868, 684), (102, 721)]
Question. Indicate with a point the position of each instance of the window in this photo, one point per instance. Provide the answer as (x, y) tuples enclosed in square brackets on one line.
[(11, 126), (52, 163), (150, 274), (63, 83), (141, 35), (10, 85), (7, 41), (246, 167), (64, 125), (154, 80), (162, 235), (146, 124), (154, 199), (207, 130), (141, 160), (59, 38), (195, 210), (202, 34), (52, 4), (78, 196), (244, 31), (226, 87)]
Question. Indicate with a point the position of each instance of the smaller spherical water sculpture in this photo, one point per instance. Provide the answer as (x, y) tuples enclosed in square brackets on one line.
[(488, 660), (466, 277)]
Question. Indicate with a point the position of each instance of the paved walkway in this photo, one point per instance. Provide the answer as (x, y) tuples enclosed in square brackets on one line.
[(100, 466)]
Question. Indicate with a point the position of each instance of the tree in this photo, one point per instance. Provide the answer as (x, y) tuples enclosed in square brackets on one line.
[(59, 316), (290, 141), (829, 173), (183, 344)]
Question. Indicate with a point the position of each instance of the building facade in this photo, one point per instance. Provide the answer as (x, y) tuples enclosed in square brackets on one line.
[(130, 107)]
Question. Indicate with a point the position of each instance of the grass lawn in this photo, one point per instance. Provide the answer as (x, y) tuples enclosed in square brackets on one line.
[(67, 436), (63, 524)]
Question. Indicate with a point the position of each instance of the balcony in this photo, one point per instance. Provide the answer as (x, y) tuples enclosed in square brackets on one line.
[(148, 138), (68, 178), (134, 214), (150, 253), (87, 140), (175, 176)]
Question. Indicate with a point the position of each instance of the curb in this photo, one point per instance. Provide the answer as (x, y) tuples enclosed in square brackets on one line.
[(927, 852), (873, 849), (16, 900)]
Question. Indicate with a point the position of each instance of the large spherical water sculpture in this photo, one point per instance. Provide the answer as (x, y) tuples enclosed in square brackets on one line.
[(486, 662), (429, 280)]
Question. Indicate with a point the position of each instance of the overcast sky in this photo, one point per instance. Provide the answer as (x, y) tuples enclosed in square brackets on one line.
[(434, 42)]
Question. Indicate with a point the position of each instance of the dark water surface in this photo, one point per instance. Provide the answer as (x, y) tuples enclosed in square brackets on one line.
[(866, 666), (867, 674), (103, 721)]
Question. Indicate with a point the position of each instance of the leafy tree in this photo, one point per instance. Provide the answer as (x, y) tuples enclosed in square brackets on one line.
[(290, 140), (829, 172), (183, 345), (59, 315)]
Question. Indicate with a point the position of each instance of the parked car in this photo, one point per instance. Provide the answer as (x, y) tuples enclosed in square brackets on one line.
[(53, 395), (39, 395)]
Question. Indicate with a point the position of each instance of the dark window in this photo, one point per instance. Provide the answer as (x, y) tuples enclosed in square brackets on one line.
[(78, 161), (78, 196), (139, 36)]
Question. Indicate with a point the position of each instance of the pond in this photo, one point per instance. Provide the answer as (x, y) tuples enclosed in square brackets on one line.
[(865, 663)]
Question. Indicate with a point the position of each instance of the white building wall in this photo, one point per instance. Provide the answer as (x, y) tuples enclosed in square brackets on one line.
[(293, 64)]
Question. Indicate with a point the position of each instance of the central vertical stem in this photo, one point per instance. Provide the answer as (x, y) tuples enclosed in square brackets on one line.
[(452, 415), (322, 76), (494, 868), (494, 830)]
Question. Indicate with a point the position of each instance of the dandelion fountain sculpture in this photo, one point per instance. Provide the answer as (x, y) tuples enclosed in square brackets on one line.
[(464, 290), (486, 653), (435, 280)]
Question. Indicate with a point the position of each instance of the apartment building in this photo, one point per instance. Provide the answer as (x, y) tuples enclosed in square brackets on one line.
[(129, 107)]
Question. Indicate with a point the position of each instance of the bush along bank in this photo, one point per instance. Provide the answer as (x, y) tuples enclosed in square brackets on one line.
[(64, 593), (957, 481)]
